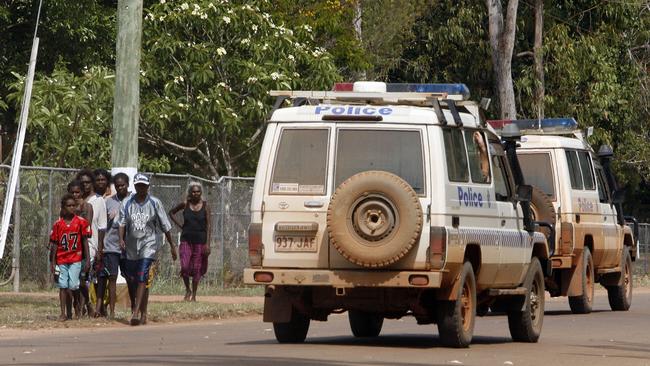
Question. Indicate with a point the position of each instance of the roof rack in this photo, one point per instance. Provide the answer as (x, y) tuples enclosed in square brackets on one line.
[(404, 98)]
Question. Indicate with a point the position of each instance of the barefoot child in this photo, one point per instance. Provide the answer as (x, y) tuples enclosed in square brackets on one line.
[(68, 241)]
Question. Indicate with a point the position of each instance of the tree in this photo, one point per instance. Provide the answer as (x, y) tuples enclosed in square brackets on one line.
[(502, 42), (207, 70)]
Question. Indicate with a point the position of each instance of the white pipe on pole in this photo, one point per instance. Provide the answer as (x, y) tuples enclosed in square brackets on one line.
[(18, 149)]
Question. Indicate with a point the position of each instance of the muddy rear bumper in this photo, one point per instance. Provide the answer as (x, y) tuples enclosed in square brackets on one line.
[(342, 278)]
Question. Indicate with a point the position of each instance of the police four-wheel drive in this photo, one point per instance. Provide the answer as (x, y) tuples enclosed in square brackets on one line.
[(393, 200)]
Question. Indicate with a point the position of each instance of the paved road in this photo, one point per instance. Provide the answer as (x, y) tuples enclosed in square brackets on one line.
[(601, 338)]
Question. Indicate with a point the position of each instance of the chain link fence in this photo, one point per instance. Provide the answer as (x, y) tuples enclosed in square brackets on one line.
[(41, 189), (642, 265)]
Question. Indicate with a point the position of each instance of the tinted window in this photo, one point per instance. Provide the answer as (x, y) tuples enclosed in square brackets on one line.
[(455, 154), (574, 169), (603, 191), (537, 171), (585, 167), (301, 162), (397, 152), (477, 155), (502, 193)]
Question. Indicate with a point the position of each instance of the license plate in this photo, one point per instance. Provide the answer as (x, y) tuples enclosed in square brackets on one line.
[(286, 243)]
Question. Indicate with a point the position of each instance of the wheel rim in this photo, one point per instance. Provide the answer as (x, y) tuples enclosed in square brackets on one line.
[(535, 302), (590, 282), (466, 306)]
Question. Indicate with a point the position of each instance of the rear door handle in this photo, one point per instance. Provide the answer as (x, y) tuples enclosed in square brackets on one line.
[(314, 204)]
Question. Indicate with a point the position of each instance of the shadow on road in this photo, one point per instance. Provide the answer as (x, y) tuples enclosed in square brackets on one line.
[(568, 312), (194, 359), (415, 341)]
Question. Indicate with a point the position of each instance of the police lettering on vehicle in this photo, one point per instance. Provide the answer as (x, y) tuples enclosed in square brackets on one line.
[(353, 110), (468, 197)]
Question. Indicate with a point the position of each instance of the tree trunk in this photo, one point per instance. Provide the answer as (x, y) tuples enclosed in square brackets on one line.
[(358, 12), (539, 58), (502, 41)]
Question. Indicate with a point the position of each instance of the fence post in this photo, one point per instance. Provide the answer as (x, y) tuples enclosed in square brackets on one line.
[(49, 214), (16, 248), (223, 229)]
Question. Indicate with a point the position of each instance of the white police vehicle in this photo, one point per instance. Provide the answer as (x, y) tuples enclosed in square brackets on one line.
[(575, 190), (386, 201)]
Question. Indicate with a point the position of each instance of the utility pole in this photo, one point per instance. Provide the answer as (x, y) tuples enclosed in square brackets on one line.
[(126, 108)]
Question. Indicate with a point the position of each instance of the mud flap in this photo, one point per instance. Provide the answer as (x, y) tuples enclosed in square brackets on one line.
[(277, 305), (572, 278)]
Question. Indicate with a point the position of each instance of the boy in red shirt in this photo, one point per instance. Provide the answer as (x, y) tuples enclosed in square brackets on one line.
[(68, 241)]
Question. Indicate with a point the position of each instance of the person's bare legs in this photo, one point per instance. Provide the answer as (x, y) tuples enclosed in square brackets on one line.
[(195, 286), (112, 295), (85, 299), (188, 291), (77, 302), (63, 299), (100, 290), (132, 285), (139, 296), (143, 307)]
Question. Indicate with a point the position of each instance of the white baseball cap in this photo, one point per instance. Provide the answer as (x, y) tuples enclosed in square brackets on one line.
[(140, 179)]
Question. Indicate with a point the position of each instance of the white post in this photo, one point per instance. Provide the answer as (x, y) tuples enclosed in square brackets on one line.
[(18, 149), (16, 250)]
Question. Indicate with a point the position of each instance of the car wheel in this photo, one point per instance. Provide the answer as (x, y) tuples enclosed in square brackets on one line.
[(526, 325), (583, 304), (365, 324), (456, 318), (620, 296), (294, 331)]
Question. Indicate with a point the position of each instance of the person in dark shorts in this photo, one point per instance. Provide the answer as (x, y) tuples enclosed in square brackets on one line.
[(111, 252), (195, 238), (142, 219)]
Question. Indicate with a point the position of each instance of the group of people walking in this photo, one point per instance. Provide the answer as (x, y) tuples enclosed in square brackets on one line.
[(103, 231)]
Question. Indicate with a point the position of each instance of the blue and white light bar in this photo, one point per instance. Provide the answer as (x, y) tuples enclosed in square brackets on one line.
[(443, 89), (551, 126)]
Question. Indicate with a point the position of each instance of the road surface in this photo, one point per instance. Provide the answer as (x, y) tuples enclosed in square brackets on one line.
[(601, 338)]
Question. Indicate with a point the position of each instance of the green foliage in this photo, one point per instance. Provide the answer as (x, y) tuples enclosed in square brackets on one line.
[(332, 24), (70, 118), (208, 67), (451, 46)]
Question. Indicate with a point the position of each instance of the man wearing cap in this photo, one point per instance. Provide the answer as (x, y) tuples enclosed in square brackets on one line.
[(142, 218)]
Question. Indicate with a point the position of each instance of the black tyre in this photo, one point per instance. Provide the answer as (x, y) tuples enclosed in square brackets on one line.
[(583, 304), (365, 324), (620, 296), (526, 326), (295, 331), (374, 218), (456, 318)]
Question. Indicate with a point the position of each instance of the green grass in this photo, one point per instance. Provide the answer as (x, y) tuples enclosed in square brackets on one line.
[(161, 287), (30, 312)]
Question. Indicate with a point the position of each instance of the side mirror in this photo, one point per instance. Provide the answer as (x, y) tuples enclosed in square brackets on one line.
[(618, 196), (524, 193)]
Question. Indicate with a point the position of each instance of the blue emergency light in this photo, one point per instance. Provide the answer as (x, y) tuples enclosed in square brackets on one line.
[(449, 89), (546, 125)]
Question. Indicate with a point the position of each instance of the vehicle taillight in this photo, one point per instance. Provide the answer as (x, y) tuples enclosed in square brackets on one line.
[(437, 246), (255, 246)]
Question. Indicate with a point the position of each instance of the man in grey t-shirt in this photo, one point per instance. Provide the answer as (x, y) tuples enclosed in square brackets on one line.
[(142, 217)]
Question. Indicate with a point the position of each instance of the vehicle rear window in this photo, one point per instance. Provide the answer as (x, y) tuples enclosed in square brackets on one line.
[(587, 173), (395, 151), (455, 153), (537, 171), (574, 169), (301, 162)]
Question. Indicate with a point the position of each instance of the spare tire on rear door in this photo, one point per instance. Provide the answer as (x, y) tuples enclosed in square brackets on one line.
[(374, 218)]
